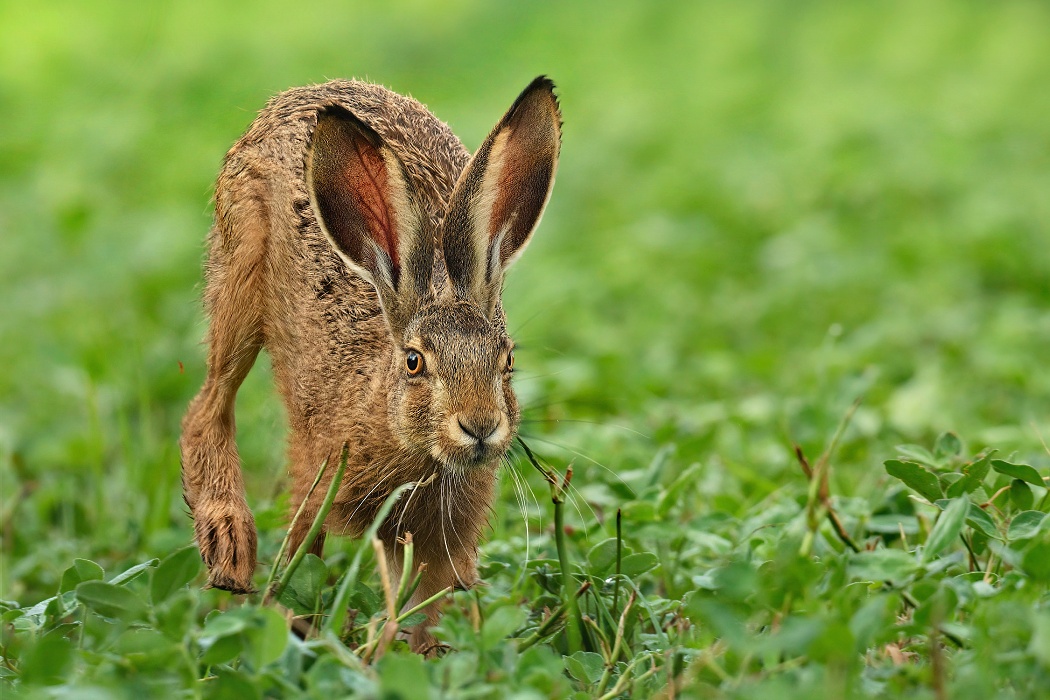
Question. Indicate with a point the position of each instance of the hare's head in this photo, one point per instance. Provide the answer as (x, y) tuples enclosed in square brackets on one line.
[(450, 393)]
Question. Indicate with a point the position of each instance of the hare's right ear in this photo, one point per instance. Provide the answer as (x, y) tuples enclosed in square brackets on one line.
[(370, 212), (501, 194)]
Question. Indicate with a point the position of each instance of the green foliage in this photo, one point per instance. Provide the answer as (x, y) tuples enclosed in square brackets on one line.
[(763, 212), (757, 611)]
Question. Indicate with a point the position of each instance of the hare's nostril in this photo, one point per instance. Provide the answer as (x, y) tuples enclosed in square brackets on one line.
[(464, 428), (478, 428)]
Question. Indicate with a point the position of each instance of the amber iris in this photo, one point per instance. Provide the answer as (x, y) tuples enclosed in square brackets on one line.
[(510, 360), (414, 363)]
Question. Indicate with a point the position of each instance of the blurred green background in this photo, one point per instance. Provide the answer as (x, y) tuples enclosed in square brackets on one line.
[(763, 212)]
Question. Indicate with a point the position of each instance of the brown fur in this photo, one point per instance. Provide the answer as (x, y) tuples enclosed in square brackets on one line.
[(335, 215)]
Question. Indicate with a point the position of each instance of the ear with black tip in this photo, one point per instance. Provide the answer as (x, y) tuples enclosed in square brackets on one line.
[(370, 212), (501, 194)]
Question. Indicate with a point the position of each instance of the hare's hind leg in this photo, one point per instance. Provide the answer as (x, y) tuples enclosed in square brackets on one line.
[(211, 472)]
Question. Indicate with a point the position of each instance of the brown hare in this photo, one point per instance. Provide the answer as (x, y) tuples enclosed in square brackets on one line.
[(360, 244)]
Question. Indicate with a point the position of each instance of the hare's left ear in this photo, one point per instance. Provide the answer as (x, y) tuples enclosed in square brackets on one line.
[(369, 210), (501, 195)]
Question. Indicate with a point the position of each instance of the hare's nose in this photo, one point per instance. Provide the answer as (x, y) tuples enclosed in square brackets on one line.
[(479, 427)]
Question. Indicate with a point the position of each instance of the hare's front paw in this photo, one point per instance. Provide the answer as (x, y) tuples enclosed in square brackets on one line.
[(225, 534)]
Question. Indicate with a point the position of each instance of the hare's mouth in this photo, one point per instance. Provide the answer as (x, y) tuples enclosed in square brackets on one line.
[(469, 457)]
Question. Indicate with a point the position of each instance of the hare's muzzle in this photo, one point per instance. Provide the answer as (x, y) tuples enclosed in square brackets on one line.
[(478, 436)]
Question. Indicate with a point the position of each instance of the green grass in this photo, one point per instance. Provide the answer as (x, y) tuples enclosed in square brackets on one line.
[(764, 212)]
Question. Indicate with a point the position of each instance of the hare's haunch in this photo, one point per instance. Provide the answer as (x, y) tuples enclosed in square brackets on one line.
[(360, 244)]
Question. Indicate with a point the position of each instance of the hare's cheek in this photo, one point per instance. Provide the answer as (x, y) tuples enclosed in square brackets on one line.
[(418, 419), (510, 399)]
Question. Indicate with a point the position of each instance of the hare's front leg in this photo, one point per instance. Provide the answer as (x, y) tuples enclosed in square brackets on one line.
[(211, 471), (213, 488)]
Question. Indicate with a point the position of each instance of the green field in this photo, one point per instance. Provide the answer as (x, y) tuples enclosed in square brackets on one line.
[(821, 224)]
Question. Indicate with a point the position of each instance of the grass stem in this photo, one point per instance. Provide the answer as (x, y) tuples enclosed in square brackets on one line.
[(335, 621), (610, 663), (432, 599), (619, 559), (547, 628), (558, 488), (315, 529), (291, 526)]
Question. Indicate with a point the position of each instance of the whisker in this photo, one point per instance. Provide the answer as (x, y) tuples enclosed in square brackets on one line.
[(519, 492), (526, 487), (529, 376), (444, 536), (365, 498), (587, 422), (530, 319), (584, 457), (408, 502), (538, 406), (457, 485), (575, 496), (574, 499), (527, 493)]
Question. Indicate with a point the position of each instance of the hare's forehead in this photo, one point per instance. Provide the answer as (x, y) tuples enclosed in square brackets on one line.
[(456, 329)]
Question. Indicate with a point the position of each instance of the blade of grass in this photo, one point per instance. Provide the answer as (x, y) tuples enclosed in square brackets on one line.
[(610, 663), (547, 628), (315, 529), (432, 599), (625, 677), (574, 627), (405, 587), (574, 632), (295, 519), (619, 559), (390, 626), (335, 621), (817, 497)]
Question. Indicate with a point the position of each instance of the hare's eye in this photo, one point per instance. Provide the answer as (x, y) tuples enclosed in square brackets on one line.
[(510, 360), (413, 363)]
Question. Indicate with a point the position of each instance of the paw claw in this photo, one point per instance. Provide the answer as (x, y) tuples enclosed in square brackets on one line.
[(226, 537)]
